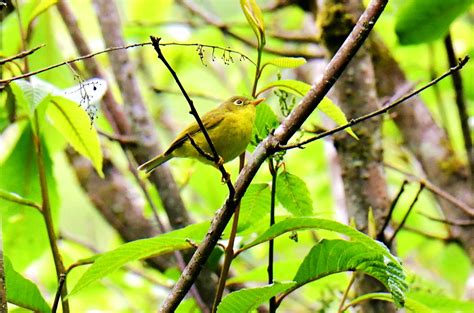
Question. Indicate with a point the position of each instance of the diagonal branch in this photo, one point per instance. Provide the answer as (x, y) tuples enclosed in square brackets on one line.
[(281, 135)]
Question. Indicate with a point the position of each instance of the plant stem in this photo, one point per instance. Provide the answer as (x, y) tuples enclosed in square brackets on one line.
[(46, 209), (273, 171), (258, 72)]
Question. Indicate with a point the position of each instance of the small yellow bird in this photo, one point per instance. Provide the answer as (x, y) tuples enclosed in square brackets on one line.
[(229, 126)]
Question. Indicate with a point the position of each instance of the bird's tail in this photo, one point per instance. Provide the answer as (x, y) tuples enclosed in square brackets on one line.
[(154, 163)]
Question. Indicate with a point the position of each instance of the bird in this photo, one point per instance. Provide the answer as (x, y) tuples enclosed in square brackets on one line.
[(229, 126)]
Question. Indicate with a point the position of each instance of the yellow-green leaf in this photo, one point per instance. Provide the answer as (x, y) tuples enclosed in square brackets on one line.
[(326, 106), (285, 62), (255, 18), (74, 124)]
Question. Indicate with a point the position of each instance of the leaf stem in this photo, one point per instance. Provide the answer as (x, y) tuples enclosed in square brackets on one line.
[(46, 210)]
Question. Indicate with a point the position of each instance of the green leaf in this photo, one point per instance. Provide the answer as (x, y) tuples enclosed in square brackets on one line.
[(40, 8), (29, 96), (255, 18), (22, 292), (302, 223), (254, 205), (265, 121), (293, 193), (246, 300), (23, 228), (334, 256), (74, 124), (441, 303), (326, 106), (414, 26), (139, 249), (286, 62), (410, 304), (335, 113)]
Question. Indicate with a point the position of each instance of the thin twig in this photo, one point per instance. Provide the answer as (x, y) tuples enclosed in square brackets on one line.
[(13, 197), (21, 54), (281, 135), (461, 104), (383, 110), (390, 241), (90, 55), (435, 190), (460, 223), (62, 281), (380, 235), (271, 244), (199, 149), (346, 293), (225, 29), (122, 139), (216, 158)]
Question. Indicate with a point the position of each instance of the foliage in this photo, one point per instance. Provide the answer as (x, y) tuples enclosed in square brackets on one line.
[(39, 112)]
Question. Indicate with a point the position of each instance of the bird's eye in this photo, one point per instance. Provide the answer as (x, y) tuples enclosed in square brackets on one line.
[(238, 102)]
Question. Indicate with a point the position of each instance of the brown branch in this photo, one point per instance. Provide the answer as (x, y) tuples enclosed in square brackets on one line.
[(461, 104), (3, 292), (435, 190), (215, 156), (380, 235), (383, 110), (281, 135), (21, 54), (462, 223)]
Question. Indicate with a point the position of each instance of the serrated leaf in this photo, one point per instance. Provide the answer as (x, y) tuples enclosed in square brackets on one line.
[(285, 62), (302, 223), (74, 124), (254, 205), (414, 26), (265, 121), (29, 96), (293, 194), (23, 292), (139, 249), (254, 16), (334, 256), (246, 300)]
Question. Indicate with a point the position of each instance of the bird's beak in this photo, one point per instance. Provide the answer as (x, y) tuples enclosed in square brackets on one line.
[(257, 101)]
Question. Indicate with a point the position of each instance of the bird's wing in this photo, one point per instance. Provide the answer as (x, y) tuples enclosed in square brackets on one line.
[(193, 129)]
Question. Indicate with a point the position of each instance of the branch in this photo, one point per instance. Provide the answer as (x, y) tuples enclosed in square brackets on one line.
[(216, 158), (461, 223), (435, 190), (3, 292), (383, 110), (21, 54), (281, 135), (380, 235)]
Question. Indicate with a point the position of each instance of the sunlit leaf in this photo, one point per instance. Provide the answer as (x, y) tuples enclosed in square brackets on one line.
[(23, 292), (254, 205), (139, 249), (414, 26), (303, 223), (40, 8), (411, 305), (246, 300), (255, 18), (326, 106), (286, 62), (74, 124), (440, 302), (334, 256), (293, 194), (265, 121), (29, 95)]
